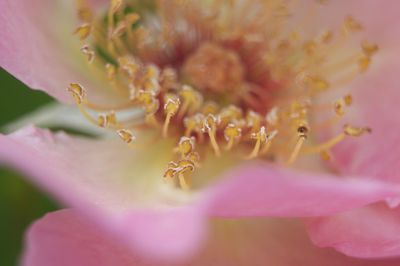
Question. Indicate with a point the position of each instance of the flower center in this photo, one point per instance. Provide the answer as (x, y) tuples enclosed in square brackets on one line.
[(215, 83), (215, 69)]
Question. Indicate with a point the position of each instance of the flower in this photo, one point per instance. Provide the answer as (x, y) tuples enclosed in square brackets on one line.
[(268, 87)]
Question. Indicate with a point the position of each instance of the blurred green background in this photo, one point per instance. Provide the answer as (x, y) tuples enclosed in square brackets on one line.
[(20, 202)]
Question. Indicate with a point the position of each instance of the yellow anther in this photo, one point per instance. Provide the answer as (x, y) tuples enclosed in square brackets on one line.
[(363, 63), (89, 53), (180, 167), (230, 113), (369, 49), (209, 107), (111, 71), (193, 123), (126, 135), (129, 65), (356, 131), (348, 99), (210, 124), (151, 72), (186, 145), (152, 107), (316, 83), (185, 165), (309, 47), (232, 133), (325, 155), (105, 120), (83, 31), (341, 103), (192, 100), (171, 106), (170, 173), (77, 91), (352, 25), (145, 98)]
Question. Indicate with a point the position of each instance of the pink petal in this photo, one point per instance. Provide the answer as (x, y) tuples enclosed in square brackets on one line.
[(67, 239), (368, 232), (37, 47), (266, 190), (103, 179)]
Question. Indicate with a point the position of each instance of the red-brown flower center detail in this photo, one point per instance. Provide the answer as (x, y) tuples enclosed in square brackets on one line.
[(222, 76)]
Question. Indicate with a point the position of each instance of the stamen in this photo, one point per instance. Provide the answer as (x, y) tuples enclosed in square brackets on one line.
[(351, 25), (186, 145), (83, 31), (261, 138), (269, 75), (170, 109), (193, 123), (89, 53), (326, 145), (363, 63), (228, 114), (77, 91), (341, 103), (179, 169), (126, 135), (302, 132), (105, 120), (190, 98), (325, 155), (232, 133), (267, 145), (356, 131), (210, 126), (369, 49)]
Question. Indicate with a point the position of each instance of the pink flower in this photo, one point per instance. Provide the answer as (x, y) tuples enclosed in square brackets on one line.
[(123, 212)]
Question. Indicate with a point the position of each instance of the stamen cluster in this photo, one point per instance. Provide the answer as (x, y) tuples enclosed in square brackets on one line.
[(237, 85)]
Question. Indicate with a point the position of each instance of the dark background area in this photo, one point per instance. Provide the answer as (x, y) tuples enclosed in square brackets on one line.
[(20, 202)]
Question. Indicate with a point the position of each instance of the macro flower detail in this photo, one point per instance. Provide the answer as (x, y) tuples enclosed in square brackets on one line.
[(233, 124), (209, 81)]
